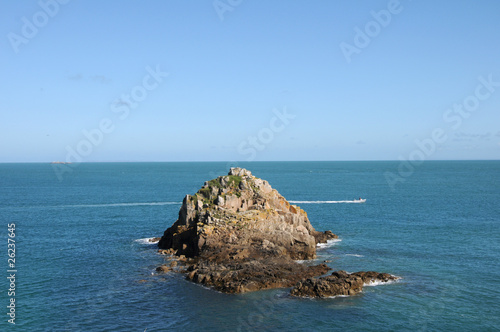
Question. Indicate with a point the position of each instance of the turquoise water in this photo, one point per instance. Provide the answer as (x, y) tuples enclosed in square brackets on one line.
[(81, 265)]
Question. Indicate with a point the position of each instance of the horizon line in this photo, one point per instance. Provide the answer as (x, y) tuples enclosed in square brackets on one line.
[(232, 161)]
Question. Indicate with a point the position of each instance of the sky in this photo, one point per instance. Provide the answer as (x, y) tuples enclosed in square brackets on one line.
[(240, 80)]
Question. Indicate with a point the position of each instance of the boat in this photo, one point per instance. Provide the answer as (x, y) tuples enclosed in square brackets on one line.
[(360, 200)]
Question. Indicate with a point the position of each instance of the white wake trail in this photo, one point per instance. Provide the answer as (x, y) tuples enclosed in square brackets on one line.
[(326, 202), (120, 204)]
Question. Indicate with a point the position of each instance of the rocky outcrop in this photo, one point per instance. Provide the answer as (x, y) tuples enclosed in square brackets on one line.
[(237, 234), (243, 236), (240, 211), (338, 283), (247, 276)]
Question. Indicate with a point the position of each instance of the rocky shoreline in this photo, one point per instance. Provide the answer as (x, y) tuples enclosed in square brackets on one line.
[(237, 234)]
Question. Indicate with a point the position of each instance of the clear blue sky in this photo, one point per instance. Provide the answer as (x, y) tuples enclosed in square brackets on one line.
[(226, 76)]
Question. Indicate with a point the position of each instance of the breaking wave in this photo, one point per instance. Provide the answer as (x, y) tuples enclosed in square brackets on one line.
[(328, 243), (378, 282), (147, 240)]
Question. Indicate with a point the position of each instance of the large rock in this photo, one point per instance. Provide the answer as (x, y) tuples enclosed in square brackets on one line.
[(338, 283), (240, 210), (244, 235)]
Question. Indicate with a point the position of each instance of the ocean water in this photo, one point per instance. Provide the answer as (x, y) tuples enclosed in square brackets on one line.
[(82, 263)]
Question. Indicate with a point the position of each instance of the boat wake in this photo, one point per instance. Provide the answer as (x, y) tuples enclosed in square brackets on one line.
[(159, 204), (118, 204), (179, 203), (356, 201)]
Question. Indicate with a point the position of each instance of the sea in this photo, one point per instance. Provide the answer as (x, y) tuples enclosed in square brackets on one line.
[(83, 262)]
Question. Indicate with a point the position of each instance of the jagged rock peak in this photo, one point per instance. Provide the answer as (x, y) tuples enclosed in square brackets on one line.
[(236, 171), (239, 191)]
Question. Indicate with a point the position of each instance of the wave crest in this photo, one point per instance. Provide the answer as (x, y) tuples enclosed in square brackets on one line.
[(146, 240), (329, 243)]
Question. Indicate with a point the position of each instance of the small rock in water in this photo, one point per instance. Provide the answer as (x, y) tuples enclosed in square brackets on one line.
[(163, 269), (338, 283)]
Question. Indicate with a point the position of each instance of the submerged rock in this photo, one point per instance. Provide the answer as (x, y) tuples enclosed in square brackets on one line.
[(244, 236), (163, 269), (338, 283)]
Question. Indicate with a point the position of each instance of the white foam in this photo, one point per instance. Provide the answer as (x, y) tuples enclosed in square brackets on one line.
[(120, 204), (329, 243), (312, 298), (378, 282), (146, 240), (326, 202), (335, 296), (354, 255)]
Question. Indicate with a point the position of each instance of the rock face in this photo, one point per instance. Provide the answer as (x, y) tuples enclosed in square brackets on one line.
[(244, 236), (338, 283)]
